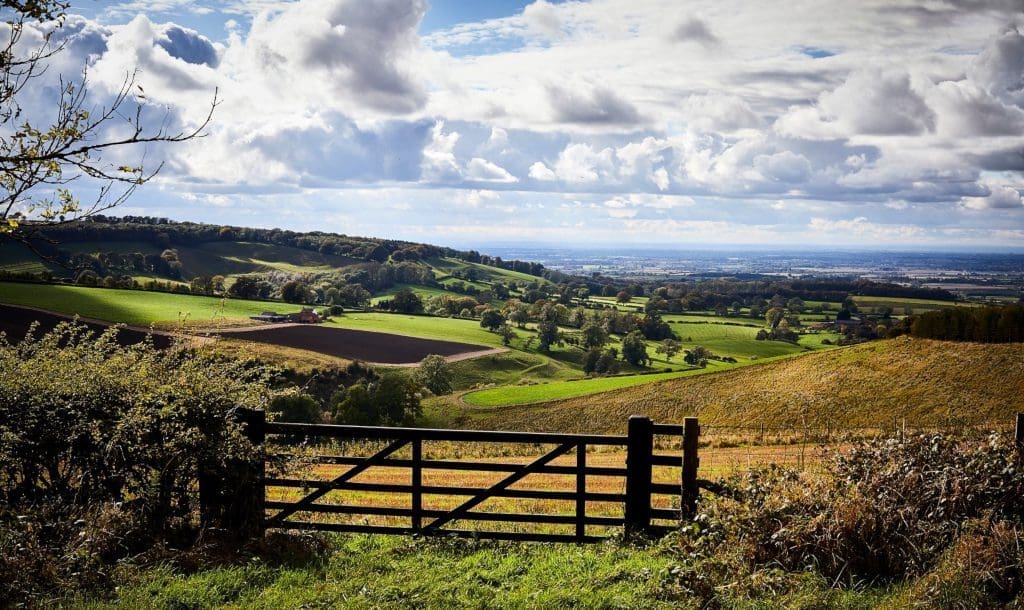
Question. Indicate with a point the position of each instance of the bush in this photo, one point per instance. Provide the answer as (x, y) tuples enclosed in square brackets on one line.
[(887, 510), (100, 449)]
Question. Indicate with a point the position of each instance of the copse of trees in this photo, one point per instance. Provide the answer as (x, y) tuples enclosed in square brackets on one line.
[(980, 324)]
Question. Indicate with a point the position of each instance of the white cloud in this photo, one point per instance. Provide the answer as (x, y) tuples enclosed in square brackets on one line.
[(1000, 197), (582, 163), (724, 111), (539, 171), (482, 170), (871, 101), (439, 162), (542, 19), (861, 228)]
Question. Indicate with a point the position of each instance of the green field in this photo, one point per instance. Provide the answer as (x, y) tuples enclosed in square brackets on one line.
[(735, 341), (426, 327), (525, 394), (898, 304), (134, 307)]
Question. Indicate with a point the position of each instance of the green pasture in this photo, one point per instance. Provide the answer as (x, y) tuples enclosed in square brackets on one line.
[(675, 318), (426, 327), (424, 292), (133, 307), (448, 265), (510, 367), (725, 340), (524, 394), (898, 305)]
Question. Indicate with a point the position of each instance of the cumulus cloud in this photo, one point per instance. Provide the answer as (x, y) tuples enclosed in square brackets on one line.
[(482, 170), (582, 163), (716, 112), (694, 30), (1000, 197), (999, 68), (439, 162), (359, 49), (540, 171), (591, 105), (879, 102), (784, 166), (327, 93), (542, 19), (189, 46)]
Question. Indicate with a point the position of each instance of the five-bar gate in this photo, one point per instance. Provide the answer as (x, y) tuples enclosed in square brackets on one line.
[(342, 493)]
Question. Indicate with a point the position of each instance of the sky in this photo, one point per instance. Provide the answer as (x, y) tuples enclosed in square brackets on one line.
[(875, 123)]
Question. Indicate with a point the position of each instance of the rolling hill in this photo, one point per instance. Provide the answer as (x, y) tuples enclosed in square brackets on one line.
[(863, 385)]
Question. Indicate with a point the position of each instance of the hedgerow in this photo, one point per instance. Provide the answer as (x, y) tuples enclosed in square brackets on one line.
[(100, 451)]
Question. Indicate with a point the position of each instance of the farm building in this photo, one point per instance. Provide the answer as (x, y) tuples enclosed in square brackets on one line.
[(306, 316), (270, 316)]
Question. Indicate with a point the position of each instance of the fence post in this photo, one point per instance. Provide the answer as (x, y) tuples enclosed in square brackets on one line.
[(417, 485), (639, 448), (1018, 434), (247, 509), (691, 461), (581, 491)]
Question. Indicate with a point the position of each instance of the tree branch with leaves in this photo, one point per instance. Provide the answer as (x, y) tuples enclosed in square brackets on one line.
[(38, 164)]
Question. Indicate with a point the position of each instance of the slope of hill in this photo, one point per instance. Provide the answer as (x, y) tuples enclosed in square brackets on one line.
[(863, 385)]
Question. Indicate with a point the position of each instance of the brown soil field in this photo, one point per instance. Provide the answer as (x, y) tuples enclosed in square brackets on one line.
[(378, 348), (15, 322)]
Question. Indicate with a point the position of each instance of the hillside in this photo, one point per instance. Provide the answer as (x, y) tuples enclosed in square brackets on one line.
[(863, 385)]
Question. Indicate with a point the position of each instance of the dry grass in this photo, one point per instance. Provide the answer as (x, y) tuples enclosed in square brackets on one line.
[(715, 463), (470, 480), (868, 385)]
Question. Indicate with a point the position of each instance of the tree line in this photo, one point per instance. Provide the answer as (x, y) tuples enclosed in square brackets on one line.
[(1003, 324)]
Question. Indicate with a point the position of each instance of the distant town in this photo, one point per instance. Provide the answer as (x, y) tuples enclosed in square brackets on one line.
[(970, 275)]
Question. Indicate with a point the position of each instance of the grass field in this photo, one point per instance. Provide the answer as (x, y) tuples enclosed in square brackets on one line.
[(862, 385), (524, 394), (447, 329), (735, 341), (898, 305), (134, 307)]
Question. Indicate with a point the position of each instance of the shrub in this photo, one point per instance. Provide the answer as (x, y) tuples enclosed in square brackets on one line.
[(887, 510), (100, 449)]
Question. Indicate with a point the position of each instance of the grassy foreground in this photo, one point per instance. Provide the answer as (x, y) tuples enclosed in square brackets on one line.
[(366, 571)]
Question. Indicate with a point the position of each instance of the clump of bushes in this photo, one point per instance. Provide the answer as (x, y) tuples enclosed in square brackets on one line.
[(101, 446), (943, 515)]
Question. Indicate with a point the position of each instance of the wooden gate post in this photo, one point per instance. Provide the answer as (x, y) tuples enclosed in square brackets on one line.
[(691, 434), (1018, 434), (639, 447), (246, 509)]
